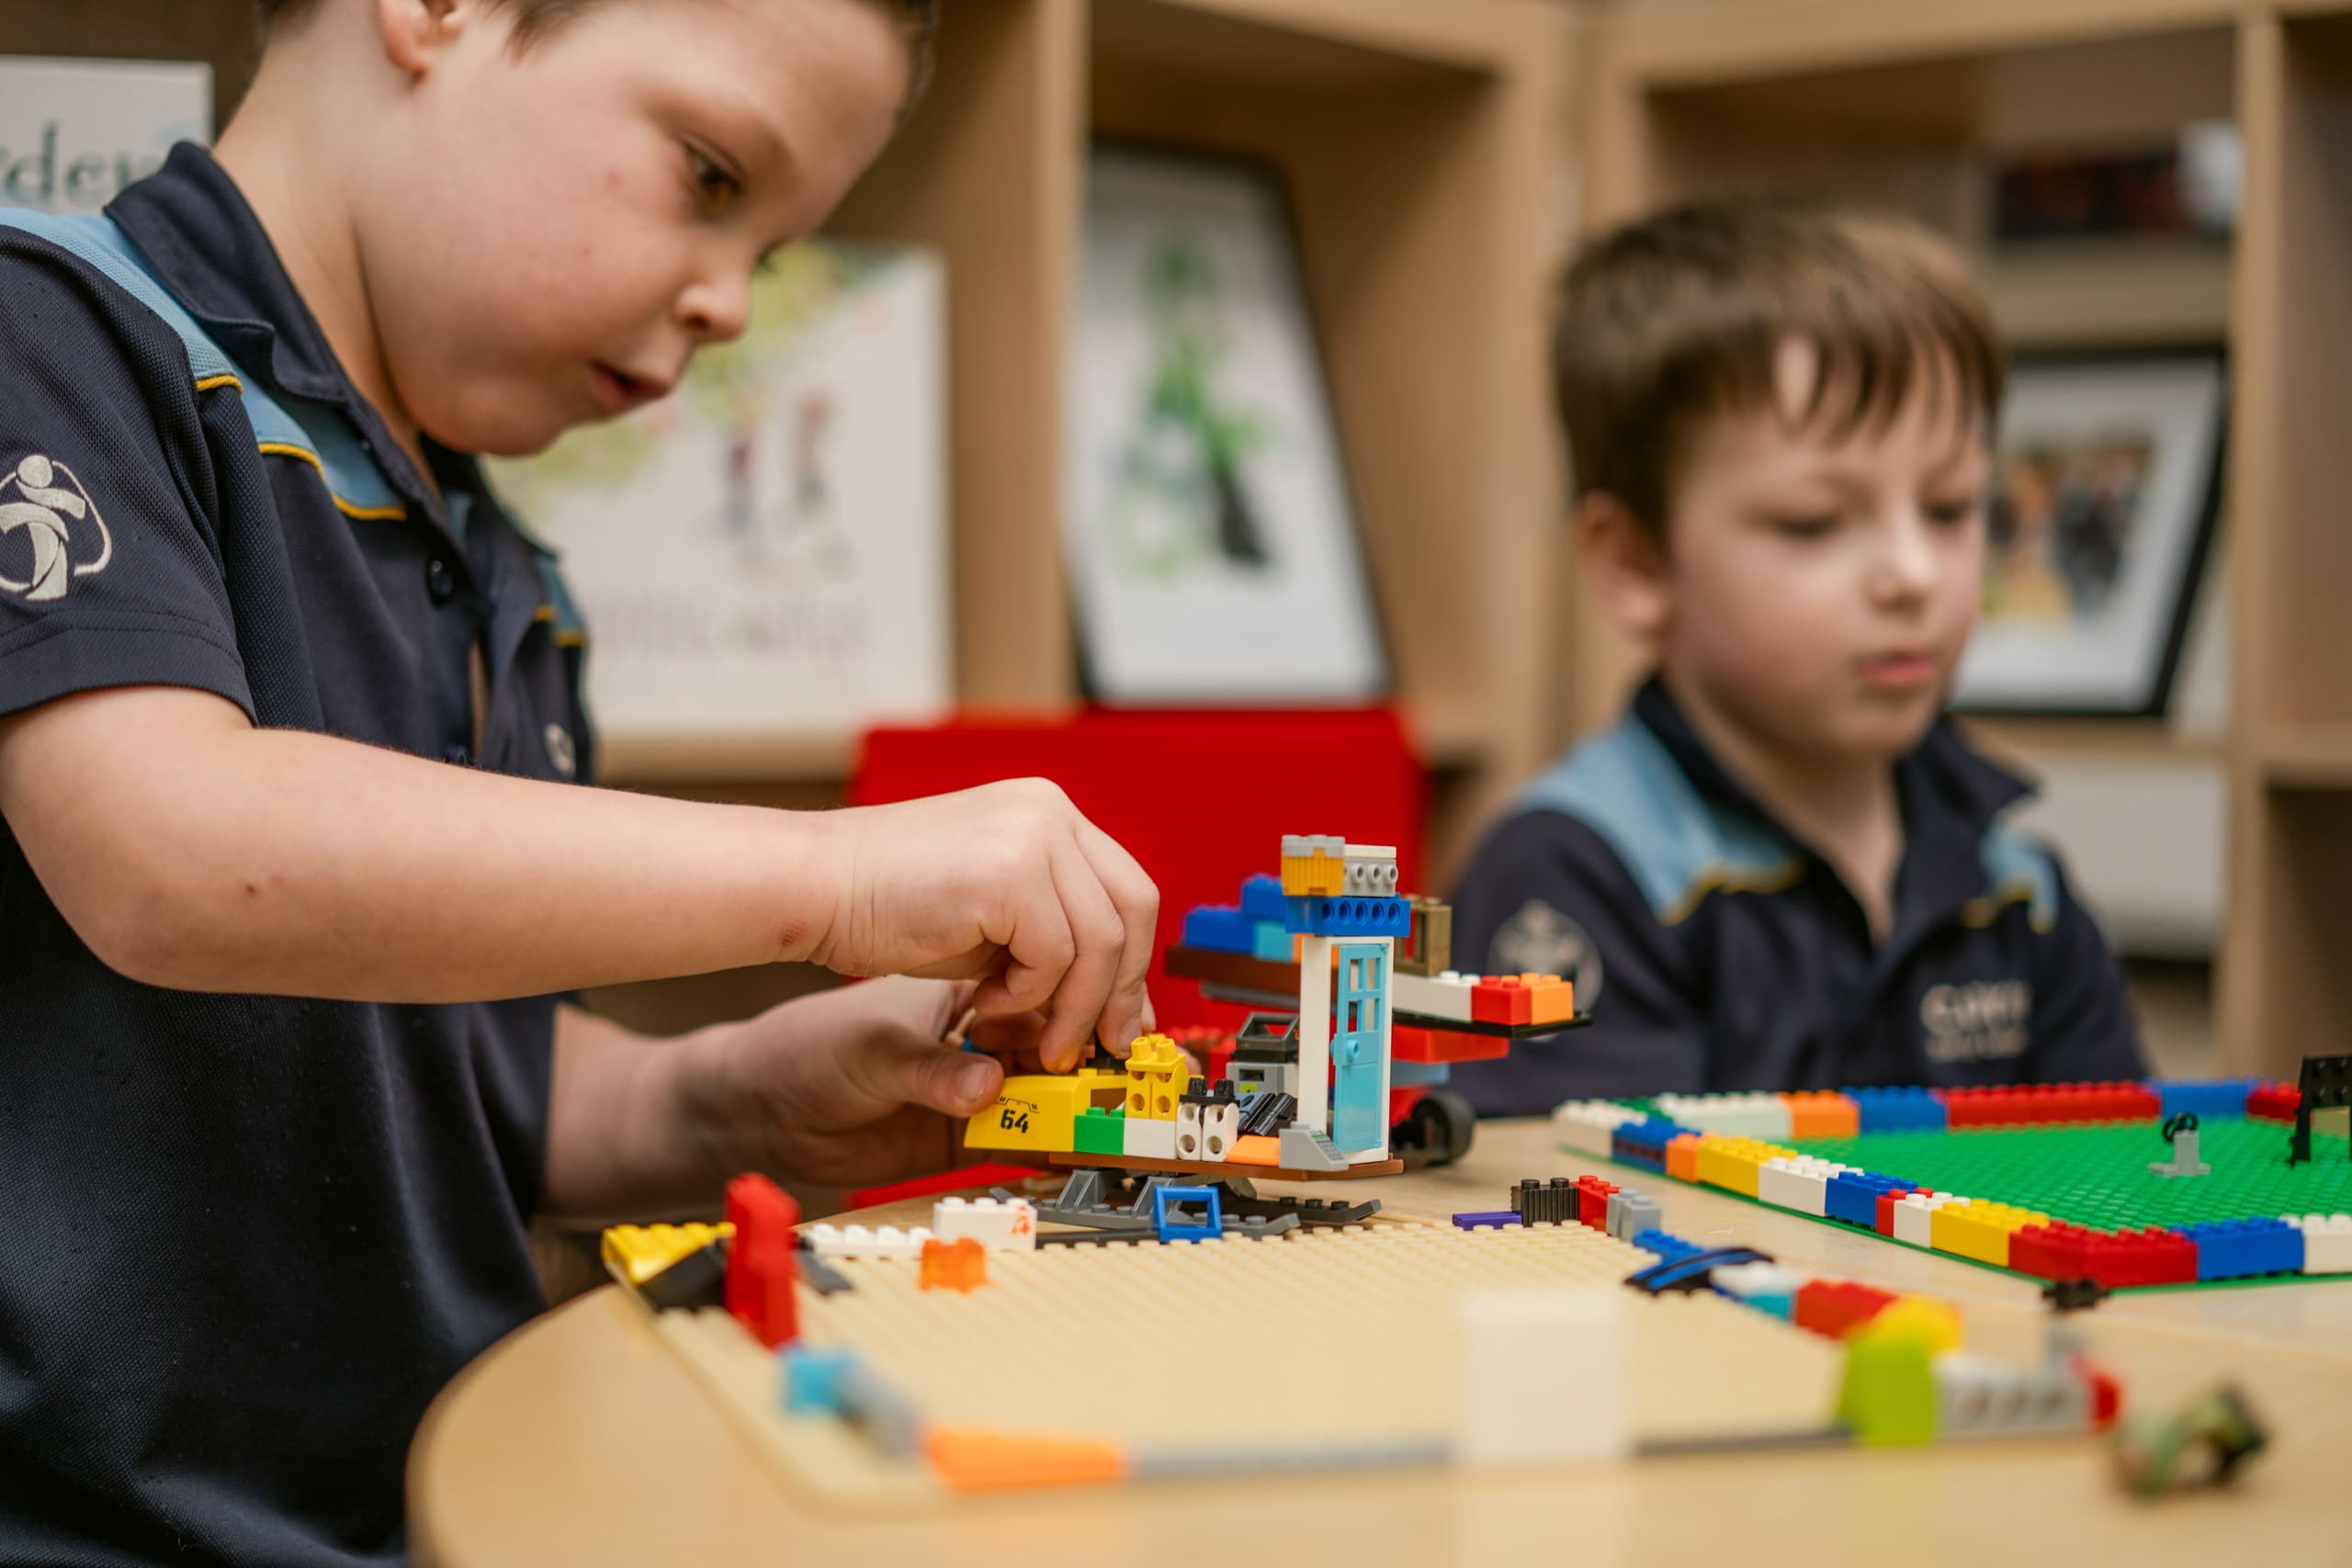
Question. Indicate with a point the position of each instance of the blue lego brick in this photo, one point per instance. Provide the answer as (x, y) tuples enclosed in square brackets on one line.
[(1484, 1219), (1175, 1227), (1898, 1109), (1644, 1143), (1220, 929), (812, 1378), (1262, 899), (1626, 1151), (1668, 1248), (1270, 941), (2232, 1249), (1853, 1195), (2209, 1100), (1351, 916)]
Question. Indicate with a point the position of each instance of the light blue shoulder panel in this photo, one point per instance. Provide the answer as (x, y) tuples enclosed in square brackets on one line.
[(313, 429), (1626, 786), (2017, 866)]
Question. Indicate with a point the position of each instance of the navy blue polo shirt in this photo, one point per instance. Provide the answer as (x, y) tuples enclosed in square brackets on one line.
[(250, 1236), (1716, 951)]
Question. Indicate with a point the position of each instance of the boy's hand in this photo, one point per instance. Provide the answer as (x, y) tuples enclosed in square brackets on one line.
[(1006, 885), (851, 1087)]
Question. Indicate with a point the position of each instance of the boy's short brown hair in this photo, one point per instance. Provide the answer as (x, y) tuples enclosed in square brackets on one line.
[(1680, 318), (534, 20)]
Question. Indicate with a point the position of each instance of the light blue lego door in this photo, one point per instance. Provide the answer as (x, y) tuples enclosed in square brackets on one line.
[(1359, 1047)]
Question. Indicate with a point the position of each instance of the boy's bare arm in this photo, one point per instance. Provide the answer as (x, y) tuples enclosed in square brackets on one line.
[(192, 851)]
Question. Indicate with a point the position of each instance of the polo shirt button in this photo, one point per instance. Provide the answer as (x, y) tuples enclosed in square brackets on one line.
[(459, 753), (440, 580)]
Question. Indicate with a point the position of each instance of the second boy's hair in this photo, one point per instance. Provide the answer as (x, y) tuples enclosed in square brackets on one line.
[(1681, 317)]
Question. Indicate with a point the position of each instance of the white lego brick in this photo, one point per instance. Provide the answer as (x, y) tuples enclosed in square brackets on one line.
[(1543, 1377), (1793, 1183), (1314, 1090), (857, 1241), (1188, 1132), (1145, 1138), (1301, 846), (1748, 1281), (1586, 1125), (1911, 1212), (1979, 1398), (1006, 1225), (1747, 1115), (1220, 1125), (1368, 871), (2327, 1242), (1433, 996)]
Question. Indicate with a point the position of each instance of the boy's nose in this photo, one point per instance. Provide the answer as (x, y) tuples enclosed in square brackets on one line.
[(715, 311), (1906, 565)]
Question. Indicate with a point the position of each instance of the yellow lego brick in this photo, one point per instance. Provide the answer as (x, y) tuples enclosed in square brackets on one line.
[(1040, 1111), (1732, 1163), (639, 1252), (1313, 877), (1921, 1318), (1974, 1228), (1158, 1076)]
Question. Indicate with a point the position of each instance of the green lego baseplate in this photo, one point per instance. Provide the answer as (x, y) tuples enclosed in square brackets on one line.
[(2098, 1175)]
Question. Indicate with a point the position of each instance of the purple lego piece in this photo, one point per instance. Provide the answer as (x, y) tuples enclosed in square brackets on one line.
[(1486, 1218)]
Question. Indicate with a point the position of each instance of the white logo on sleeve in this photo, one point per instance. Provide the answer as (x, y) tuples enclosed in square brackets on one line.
[(69, 538), (1539, 939)]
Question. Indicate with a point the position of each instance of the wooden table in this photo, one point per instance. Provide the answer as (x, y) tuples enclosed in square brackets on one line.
[(579, 1441)]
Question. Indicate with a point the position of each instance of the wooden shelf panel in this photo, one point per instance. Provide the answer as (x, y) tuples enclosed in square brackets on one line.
[(2106, 294), (1322, 46), (2123, 741), (2305, 757), (788, 759)]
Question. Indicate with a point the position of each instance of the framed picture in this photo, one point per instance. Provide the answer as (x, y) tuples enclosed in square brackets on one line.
[(1211, 537), (2105, 492), (762, 558)]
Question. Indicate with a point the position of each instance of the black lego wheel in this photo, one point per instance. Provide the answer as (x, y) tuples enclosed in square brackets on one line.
[(1437, 1131)]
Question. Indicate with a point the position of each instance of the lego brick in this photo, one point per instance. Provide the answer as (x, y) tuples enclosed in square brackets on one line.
[(1888, 1395), (2116, 1259), (1432, 996), (1799, 1183), (1682, 1156), (1734, 1163), (696, 1281), (1262, 898), (1368, 871), (1038, 1110), (1741, 1115), (961, 1265), (1823, 1113), (2048, 1104), (1147, 1137), (1350, 916), (1834, 1308), (1897, 1109), (1486, 1218), (857, 1241), (1913, 1216), (638, 1252), (970, 1459), (1157, 1076), (1979, 1228), (1540, 1203), (1767, 1287), (761, 1261), (1169, 1222), (1638, 1213), (1428, 947), (1522, 1400), (2209, 1100), (1665, 1245), (1444, 1046), (1100, 1132), (1272, 941), (1254, 1149), (1592, 1202), (1588, 1126), (2238, 1249), (1852, 1196), (1001, 1225), (1501, 999), (2327, 1242), (1976, 1397), (2273, 1101), (1884, 1223), (813, 1376), (1314, 865), (1220, 927), (1550, 998), (1265, 1113)]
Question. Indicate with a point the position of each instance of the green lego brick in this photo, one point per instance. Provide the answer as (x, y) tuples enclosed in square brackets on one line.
[(1100, 1132), (2098, 1175)]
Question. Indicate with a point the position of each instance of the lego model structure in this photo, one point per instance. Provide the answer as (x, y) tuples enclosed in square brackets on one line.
[(884, 1370), (1345, 1082), (2048, 1180)]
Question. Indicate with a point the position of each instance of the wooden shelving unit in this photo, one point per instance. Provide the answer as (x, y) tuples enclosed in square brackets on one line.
[(1899, 104)]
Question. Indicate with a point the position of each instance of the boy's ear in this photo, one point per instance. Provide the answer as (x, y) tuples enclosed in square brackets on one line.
[(1624, 563), (416, 32)]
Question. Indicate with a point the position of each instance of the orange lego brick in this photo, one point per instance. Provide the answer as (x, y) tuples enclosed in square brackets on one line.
[(1000, 1461), (1822, 1113), (1550, 998), (958, 1265), (1254, 1150), (1682, 1156)]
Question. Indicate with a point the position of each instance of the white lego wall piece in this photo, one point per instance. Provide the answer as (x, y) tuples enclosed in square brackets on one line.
[(1911, 1215), (1543, 1377), (1434, 996), (1586, 1125), (1745, 1115), (2327, 1242), (1315, 1034), (858, 1241), (1001, 1225), (1144, 1137)]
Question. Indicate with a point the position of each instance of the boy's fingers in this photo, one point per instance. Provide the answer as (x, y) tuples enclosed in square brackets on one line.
[(1100, 938), (956, 1083), (1127, 1011), (1037, 953)]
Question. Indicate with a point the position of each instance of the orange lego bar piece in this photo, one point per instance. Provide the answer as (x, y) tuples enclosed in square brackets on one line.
[(998, 1461), (1822, 1113), (1254, 1150), (958, 1265)]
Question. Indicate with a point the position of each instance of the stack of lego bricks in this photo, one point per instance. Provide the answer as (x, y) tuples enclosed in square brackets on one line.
[(2044, 1214)]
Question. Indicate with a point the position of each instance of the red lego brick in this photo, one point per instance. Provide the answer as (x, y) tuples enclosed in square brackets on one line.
[(2107, 1395), (2273, 1101), (762, 1260), (2115, 1258), (2032, 1105), (1836, 1307), (1501, 1001), (1886, 1202), (2059, 1251), (1592, 1201), (1406, 1043)]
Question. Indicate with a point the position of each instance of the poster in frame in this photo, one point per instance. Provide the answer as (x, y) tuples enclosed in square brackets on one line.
[(2105, 491), (1211, 533)]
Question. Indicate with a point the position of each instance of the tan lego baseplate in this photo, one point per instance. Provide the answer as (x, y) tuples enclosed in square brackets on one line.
[(1309, 1341)]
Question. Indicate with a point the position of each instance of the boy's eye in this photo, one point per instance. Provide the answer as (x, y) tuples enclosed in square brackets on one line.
[(1814, 526), (714, 185), (1955, 513)]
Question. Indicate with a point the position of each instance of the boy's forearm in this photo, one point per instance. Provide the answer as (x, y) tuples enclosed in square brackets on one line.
[(628, 1138), (283, 863)]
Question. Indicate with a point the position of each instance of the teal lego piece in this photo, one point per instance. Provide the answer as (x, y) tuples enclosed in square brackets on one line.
[(1271, 942), (812, 1378)]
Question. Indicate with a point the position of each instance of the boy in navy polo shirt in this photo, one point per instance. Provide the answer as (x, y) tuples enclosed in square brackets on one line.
[(294, 858), (1782, 868)]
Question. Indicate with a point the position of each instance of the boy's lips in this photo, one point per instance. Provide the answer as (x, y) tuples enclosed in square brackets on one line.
[(617, 391), (1898, 670)]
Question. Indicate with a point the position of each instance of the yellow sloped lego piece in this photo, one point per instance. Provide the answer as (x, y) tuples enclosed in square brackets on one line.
[(1040, 1111), (1974, 1227), (639, 1252)]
